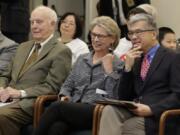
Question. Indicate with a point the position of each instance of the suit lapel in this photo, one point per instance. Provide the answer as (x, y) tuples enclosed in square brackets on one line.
[(1, 37), (154, 64), (47, 47)]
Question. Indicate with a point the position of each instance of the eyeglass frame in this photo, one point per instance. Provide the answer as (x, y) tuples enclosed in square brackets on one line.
[(138, 32), (99, 36)]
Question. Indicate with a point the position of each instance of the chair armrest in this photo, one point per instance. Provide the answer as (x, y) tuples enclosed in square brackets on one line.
[(164, 117), (39, 109), (39, 106), (96, 118)]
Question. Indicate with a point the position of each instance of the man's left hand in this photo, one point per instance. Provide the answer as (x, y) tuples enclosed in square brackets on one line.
[(142, 110)]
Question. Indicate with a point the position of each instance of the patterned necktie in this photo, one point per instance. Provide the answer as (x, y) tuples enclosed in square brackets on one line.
[(144, 67), (32, 57)]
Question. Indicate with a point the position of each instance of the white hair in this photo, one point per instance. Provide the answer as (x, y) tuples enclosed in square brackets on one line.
[(50, 13)]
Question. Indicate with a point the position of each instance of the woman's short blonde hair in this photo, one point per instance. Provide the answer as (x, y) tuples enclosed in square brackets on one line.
[(109, 25)]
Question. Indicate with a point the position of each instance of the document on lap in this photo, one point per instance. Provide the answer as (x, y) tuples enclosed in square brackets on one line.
[(123, 103)]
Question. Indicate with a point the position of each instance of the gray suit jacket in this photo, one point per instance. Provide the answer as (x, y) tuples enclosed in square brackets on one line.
[(44, 76), (7, 50)]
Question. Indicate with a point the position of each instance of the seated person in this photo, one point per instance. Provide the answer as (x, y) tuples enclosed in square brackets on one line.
[(7, 50), (95, 76), (151, 78), (167, 38), (39, 67), (70, 29)]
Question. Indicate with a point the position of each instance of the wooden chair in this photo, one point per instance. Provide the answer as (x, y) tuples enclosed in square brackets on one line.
[(43, 101), (163, 120)]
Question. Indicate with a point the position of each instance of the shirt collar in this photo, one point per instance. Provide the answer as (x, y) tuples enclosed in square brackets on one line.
[(151, 53), (44, 42)]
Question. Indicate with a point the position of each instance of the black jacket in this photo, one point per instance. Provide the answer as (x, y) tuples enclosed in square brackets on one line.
[(161, 89)]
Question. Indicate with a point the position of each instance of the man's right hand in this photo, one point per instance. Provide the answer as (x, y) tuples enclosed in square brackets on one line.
[(131, 55), (4, 95)]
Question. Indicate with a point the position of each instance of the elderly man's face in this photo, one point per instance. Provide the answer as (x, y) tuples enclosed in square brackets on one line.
[(41, 26)]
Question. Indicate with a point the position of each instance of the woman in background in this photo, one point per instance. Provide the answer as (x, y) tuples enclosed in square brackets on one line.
[(70, 29)]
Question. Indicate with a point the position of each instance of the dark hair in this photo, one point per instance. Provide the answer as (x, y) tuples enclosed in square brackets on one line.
[(163, 31), (135, 11), (78, 30)]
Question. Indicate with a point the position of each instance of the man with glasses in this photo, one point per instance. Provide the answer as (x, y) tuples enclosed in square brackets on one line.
[(151, 77)]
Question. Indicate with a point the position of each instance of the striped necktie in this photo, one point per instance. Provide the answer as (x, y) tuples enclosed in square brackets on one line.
[(144, 67)]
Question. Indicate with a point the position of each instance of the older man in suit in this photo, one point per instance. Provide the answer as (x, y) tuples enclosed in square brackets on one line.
[(151, 78), (39, 67), (7, 49)]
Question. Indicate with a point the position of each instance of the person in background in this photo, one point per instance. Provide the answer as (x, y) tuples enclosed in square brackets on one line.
[(15, 19), (94, 76), (151, 79), (149, 9), (118, 10), (167, 38), (70, 29), (39, 67), (7, 51)]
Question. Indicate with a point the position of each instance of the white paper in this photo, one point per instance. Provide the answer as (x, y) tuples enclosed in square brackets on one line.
[(100, 91)]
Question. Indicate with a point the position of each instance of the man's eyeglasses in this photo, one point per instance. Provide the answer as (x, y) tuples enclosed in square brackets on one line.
[(99, 36), (138, 32)]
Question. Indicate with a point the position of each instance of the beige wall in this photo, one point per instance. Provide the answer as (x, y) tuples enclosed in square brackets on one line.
[(168, 14)]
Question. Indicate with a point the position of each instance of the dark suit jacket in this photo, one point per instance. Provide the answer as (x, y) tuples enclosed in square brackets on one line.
[(44, 76), (15, 16), (107, 9), (160, 90)]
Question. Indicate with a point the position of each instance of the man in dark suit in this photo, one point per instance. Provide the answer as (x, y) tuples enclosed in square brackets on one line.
[(118, 10), (39, 67), (15, 19), (151, 78)]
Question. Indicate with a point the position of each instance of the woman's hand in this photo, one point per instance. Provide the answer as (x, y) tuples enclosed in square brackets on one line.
[(107, 62)]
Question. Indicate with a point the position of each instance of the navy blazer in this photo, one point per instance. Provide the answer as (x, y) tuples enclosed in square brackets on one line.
[(161, 88)]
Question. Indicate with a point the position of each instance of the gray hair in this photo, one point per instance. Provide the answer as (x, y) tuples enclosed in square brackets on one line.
[(143, 17), (109, 25), (51, 14)]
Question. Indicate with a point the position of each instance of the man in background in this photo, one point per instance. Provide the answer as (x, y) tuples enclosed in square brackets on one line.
[(118, 10)]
